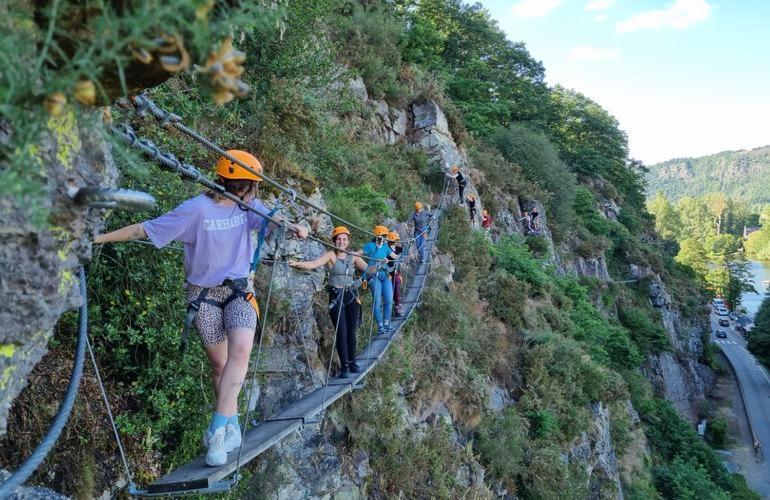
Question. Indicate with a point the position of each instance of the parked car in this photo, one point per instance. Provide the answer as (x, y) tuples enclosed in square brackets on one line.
[(740, 329), (721, 334), (718, 302), (722, 311), (724, 322)]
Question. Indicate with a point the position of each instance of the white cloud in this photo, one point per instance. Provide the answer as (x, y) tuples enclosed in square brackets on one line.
[(680, 14), (588, 53), (600, 18), (599, 4), (534, 8)]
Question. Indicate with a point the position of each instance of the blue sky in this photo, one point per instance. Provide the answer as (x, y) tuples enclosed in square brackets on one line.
[(683, 77)]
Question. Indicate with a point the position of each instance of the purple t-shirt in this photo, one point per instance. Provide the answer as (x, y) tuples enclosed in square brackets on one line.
[(217, 239)]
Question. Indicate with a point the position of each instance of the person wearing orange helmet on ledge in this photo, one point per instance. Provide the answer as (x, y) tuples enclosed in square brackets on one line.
[(216, 233), (421, 219), (377, 252), (394, 242), (344, 303)]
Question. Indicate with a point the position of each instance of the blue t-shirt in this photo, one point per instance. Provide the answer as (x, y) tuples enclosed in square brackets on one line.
[(217, 238), (372, 252)]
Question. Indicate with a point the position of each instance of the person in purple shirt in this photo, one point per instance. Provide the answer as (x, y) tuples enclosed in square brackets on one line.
[(216, 234)]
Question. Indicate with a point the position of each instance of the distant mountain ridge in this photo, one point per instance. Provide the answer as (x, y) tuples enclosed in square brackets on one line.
[(742, 175)]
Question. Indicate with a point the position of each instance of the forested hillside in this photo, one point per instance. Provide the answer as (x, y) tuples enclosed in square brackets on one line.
[(741, 175), (570, 360)]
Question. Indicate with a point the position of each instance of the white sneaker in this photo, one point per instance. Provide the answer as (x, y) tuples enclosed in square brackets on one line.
[(232, 438), (217, 455)]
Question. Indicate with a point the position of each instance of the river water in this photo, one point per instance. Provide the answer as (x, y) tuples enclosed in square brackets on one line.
[(761, 272)]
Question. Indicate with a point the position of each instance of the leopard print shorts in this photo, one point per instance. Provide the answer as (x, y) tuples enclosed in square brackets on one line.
[(214, 323)]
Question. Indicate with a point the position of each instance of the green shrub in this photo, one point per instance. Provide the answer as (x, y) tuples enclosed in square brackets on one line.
[(649, 336), (540, 163), (507, 297), (361, 205), (716, 432), (511, 255), (538, 245), (542, 423), (469, 248), (586, 212), (501, 441)]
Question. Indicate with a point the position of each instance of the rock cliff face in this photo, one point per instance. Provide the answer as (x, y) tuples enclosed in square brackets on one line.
[(677, 375), (316, 463), (40, 250)]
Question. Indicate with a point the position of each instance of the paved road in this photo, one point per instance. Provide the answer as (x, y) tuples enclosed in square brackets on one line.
[(755, 382)]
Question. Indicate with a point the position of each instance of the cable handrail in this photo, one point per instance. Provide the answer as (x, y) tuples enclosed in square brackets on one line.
[(143, 104), (169, 161)]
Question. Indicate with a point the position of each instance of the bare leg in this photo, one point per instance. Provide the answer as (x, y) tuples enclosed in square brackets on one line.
[(217, 355), (230, 383)]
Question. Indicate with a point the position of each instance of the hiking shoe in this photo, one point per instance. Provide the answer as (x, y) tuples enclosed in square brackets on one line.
[(381, 330), (388, 328), (344, 372), (217, 455), (232, 438), (354, 368)]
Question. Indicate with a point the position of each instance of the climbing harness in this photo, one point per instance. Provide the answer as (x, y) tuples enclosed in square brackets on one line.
[(239, 290)]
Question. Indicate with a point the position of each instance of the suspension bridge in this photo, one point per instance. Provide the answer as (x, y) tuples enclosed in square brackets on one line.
[(196, 477)]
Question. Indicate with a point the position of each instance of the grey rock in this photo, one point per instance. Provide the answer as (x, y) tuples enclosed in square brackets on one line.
[(429, 114), (357, 86), (498, 400), (40, 260), (30, 492), (594, 452)]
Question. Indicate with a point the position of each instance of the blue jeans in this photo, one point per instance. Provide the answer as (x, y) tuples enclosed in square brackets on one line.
[(420, 241), (382, 293)]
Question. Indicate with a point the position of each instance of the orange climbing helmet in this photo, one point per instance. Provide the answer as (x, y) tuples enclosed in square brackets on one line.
[(380, 231), (338, 231), (418, 205), (393, 236), (228, 169)]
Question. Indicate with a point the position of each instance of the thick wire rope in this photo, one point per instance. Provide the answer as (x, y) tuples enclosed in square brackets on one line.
[(255, 367), (143, 104), (190, 172), (28, 467), (110, 415)]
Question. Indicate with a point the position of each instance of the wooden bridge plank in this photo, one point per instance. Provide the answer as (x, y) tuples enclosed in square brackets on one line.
[(199, 475)]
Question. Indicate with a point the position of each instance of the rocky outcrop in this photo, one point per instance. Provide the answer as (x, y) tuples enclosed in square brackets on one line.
[(43, 239), (677, 375), (595, 454), (30, 492)]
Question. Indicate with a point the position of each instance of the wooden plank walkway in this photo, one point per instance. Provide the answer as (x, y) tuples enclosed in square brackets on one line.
[(197, 475)]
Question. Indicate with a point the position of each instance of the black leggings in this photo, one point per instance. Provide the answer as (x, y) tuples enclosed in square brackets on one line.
[(461, 189), (348, 323)]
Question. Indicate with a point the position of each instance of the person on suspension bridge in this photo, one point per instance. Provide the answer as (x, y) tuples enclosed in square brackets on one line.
[(377, 252), (421, 219), (394, 270), (456, 173), (216, 233), (344, 302)]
